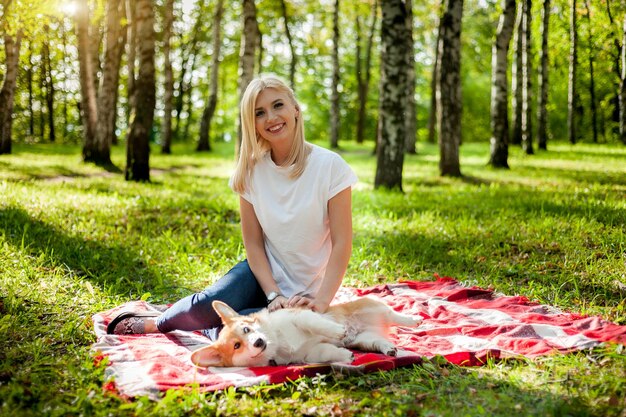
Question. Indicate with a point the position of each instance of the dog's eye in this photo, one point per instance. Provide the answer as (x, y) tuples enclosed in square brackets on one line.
[(246, 330), (237, 345)]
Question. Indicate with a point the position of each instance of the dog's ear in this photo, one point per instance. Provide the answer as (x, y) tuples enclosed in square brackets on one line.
[(224, 311), (207, 356)]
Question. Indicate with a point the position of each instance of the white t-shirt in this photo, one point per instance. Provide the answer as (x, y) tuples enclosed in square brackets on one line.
[(293, 214)]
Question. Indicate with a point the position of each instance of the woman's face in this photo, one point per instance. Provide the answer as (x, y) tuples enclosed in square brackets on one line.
[(275, 116)]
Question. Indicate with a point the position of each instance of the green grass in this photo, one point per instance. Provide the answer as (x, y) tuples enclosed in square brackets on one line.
[(76, 239)]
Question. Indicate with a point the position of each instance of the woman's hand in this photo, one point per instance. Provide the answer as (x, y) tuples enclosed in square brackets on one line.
[(278, 303), (305, 302), (297, 301)]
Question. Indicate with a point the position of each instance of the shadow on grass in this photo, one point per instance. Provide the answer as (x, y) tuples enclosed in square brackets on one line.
[(458, 258), (498, 203), (115, 267), (467, 391), (110, 167), (582, 176)]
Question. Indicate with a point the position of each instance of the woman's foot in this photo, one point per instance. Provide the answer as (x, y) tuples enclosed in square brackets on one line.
[(133, 323)]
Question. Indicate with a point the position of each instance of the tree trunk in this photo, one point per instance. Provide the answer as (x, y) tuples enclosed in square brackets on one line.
[(107, 99), (432, 116), (592, 87), (138, 143), (249, 41), (7, 93), (31, 96), (123, 38), (411, 110), (334, 96), (360, 79), (188, 101), (527, 137), (203, 143), (517, 83), (542, 103), (364, 73), (259, 50), (449, 89), (42, 98), (168, 82), (96, 35), (571, 86), (132, 56), (188, 52), (616, 55), (622, 92), (49, 84), (292, 48), (392, 97), (65, 78), (499, 87), (87, 82)]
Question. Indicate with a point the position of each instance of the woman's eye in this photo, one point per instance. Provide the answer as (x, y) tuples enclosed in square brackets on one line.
[(237, 345), (259, 114), (278, 105), (246, 330)]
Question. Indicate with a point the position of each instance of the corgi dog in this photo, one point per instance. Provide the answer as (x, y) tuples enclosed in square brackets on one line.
[(295, 335)]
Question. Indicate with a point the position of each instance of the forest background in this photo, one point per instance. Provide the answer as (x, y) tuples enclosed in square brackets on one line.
[(77, 238), (564, 72)]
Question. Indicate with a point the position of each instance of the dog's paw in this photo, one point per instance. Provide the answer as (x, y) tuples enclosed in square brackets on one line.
[(345, 355), (391, 352), (337, 332), (387, 348)]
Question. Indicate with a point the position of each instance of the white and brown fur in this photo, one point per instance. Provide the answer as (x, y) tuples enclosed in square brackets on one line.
[(302, 336)]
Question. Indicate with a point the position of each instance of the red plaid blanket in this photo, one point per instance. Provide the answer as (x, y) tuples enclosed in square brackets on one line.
[(465, 325)]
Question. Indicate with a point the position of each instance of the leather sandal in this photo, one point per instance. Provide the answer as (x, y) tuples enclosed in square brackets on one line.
[(132, 322)]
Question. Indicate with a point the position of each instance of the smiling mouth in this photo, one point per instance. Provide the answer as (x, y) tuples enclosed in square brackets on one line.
[(275, 129)]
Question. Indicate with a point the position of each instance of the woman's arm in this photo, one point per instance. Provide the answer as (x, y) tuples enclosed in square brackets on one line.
[(255, 250), (340, 218)]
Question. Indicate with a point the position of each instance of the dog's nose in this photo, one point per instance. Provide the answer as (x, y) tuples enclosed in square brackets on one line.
[(259, 343)]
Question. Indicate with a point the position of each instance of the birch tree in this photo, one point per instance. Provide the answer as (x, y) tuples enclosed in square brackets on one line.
[(527, 137), (364, 70), (89, 107), (189, 53), (12, 45), (168, 81), (392, 96), (542, 79), (571, 84), (138, 141), (432, 115), (131, 56), (247, 51), (411, 107), (622, 92), (47, 79), (292, 49), (517, 82), (449, 89), (334, 96), (207, 115), (499, 141), (107, 97), (592, 87)]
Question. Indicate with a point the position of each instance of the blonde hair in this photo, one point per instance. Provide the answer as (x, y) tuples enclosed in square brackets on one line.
[(253, 146)]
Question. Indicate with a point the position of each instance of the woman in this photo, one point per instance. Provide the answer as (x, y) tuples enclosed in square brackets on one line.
[(296, 221)]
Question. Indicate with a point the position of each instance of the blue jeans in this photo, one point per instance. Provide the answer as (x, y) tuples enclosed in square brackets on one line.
[(238, 288)]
